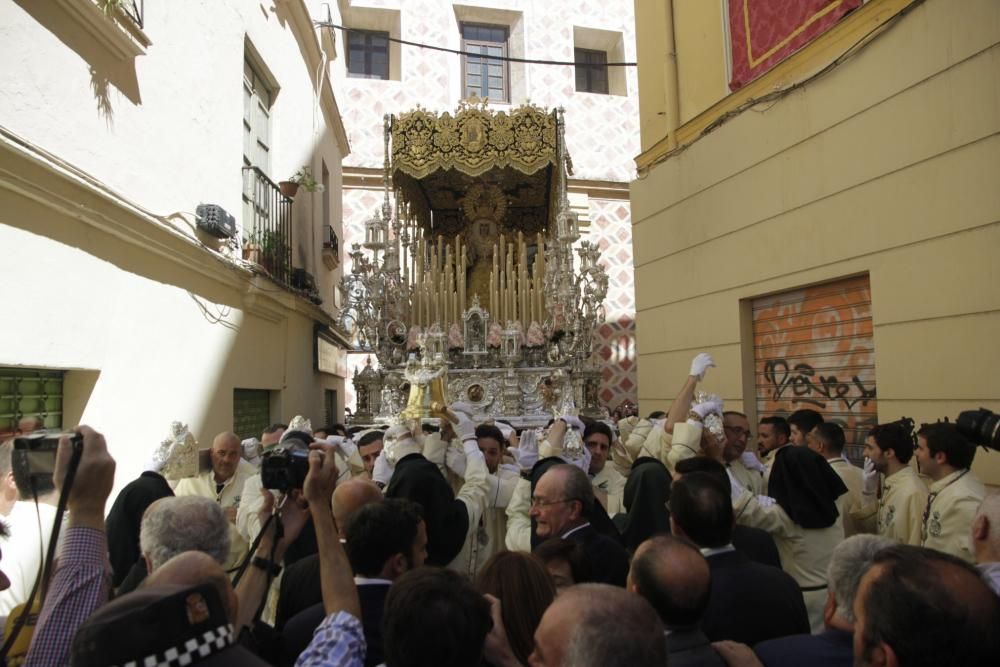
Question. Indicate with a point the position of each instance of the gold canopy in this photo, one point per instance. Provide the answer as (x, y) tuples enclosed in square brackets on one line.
[(474, 140)]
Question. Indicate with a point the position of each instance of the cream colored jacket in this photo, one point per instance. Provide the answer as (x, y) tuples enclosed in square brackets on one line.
[(953, 502), (748, 479), (899, 513), (805, 553), (231, 496), (611, 484), (852, 477)]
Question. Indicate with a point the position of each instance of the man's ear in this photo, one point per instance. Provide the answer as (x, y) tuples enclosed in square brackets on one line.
[(397, 565), (830, 607)]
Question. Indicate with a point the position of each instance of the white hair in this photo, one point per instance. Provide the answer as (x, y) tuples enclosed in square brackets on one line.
[(848, 563), (184, 523)]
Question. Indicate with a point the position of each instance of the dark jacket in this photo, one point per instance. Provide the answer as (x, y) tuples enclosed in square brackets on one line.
[(833, 648), (125, 518), (756, 544), (750, 602), (609, 561), (298, 631), (689, 647)]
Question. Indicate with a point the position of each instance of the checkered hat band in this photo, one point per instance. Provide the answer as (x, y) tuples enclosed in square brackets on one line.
[(191, 651)]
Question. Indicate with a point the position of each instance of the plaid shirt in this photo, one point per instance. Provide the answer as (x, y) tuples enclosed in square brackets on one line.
[(339, 641), (81, 582)]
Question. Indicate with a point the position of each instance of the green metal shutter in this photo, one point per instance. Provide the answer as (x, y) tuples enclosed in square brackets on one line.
[(330, 405), (251, 412), (30, 392)]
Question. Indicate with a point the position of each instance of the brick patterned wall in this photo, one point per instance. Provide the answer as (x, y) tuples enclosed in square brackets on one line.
[(602, 134)]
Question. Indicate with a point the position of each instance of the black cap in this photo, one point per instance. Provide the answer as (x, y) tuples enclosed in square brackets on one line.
[(161, 625)]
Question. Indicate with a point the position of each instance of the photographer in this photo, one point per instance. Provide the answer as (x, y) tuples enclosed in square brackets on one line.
[(81, 580)]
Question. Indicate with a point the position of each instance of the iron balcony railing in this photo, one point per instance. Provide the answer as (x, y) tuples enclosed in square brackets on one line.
[(267, 239), (135, 10)]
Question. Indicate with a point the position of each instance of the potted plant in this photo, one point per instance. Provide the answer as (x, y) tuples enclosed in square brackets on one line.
[(302, 178), (273, 253), (251, 247)]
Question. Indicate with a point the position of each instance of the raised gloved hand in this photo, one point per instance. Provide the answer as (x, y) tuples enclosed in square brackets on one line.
[(713, 404), (382, 473), (526, 454), (335, 442), (463, 408), (701, 363), (506, 430), (454, 458), (869, 478), (582, 461), (465, 429), (750, 460), (574, 422)]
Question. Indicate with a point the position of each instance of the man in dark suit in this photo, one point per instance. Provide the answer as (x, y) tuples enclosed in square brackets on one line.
[(674, 577), (384, 540), (562, 505), (749, 602), (834, 647)]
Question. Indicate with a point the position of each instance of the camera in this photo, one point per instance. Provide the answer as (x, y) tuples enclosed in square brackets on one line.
[(981, 426), (284, 466), (37, 451)]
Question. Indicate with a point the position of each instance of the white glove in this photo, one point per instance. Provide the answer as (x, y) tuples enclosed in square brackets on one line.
[(454, 458), (251, 449), (506, 430), (701, 363), (751, 462), (527, 454), (336, 441), (462, 408), (708, 407), (465, 429), (582, 461), (382, 472), (766, 501), (574, 422), (869, 478), (658, 423)]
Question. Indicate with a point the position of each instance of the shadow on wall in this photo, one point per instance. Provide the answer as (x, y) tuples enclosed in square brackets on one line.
[(106, 69)]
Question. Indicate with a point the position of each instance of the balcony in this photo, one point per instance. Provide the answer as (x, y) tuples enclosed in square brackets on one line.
[(267, 225), (331, 248)]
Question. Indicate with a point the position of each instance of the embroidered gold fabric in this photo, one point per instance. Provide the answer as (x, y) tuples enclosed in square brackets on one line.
[(474, 140)]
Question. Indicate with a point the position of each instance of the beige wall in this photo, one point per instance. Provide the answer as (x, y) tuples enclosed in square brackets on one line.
[(887, 165)]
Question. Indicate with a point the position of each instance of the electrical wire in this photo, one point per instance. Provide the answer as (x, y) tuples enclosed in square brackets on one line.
[(509, 59)]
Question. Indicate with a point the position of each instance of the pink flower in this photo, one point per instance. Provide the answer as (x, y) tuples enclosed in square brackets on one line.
[(455, 338), (535, 337), (413, 338), (494, 336)]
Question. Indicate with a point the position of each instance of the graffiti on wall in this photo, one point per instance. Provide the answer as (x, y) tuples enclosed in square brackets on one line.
[(813, 348)]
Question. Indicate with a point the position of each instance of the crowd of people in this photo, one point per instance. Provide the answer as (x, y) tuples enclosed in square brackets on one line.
[(678, 539)]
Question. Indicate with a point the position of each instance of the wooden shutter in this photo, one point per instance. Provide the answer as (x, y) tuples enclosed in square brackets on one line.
[(813, 348)]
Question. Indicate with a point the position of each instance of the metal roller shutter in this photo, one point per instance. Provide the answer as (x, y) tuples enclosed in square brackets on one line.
[(30, 392), (813, 348)]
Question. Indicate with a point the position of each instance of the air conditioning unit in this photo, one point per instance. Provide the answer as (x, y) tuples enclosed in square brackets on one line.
[(215, 220)]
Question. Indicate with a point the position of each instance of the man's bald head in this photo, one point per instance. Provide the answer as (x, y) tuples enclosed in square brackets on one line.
[(193, 568), (226, 450), (674, 577), (351, 496)]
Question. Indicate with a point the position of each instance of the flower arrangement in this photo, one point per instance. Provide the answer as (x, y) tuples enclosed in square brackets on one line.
[(455, 339), (535, 336), (495, 336), (413, 338)]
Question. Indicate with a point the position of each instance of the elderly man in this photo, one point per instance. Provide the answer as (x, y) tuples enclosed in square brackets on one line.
[(849, 561), (561, 505), (173, 525), (595, 625), (737, 429), (946, 456), (674, 577), (223, 484)]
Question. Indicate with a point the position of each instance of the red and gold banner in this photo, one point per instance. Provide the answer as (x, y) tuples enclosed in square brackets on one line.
[(765, 32)]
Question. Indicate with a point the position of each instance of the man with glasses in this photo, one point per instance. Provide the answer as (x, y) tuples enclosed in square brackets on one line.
[(737, 429), (561, 506)]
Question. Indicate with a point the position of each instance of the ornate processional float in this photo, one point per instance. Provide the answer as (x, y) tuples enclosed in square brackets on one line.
[(471, 284)]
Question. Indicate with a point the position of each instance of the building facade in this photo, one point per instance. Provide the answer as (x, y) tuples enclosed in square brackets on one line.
[(817, 206), (378, 76), (123, 311)]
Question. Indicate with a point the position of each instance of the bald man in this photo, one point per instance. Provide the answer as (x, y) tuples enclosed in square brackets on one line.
[(224, 484), (675, 578), (351, 496)]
